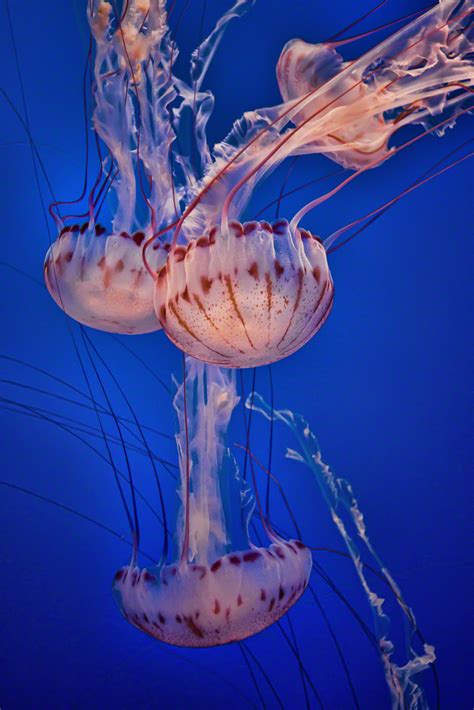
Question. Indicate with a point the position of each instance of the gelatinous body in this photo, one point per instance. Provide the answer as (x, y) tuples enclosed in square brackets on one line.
[(245, 298), (234, 597), (221, 587), (101, 281)]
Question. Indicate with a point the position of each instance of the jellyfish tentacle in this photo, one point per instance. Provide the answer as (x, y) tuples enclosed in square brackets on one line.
[(271, 157), (252, 674), (300, 663), (302, 186), (248, 425), (303, 672), (333, 238), (274, 118), (75, 512), (53, 211), (432, 31), (344, 510), (272, 535), (275, 480), (377, 213), (337, 645), (37, 412), (265, 675), (406, 610), (357, 21), (165, 549), (101, 408), (187, 481), (270, 447), (334, 42), (314, 203), (143, 363), (82, 426), (136, 525)]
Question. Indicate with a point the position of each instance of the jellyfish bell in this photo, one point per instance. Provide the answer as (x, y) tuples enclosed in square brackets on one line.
[(244, 296), (234, 597), (220, 587), (100, 280)]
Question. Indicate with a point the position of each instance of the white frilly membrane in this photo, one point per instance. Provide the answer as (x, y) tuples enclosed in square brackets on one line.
[(345, 512), (220, 587)]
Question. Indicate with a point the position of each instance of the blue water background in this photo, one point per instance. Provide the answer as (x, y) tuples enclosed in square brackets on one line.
[(386, 385)]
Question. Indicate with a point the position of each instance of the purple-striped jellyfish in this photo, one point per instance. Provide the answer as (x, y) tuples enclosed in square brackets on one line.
[(95, 273), (221, 587), (249, 294)]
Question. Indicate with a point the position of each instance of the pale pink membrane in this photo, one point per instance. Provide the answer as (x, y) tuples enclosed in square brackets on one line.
[(221, 588), (97, 275), (247, 297)]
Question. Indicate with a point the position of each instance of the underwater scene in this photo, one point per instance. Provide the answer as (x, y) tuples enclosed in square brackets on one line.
[(236, 354)]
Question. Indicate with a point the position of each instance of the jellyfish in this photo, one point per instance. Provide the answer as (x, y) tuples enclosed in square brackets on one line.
[(221, 587), (250, 294), (226, 589), (214, 556), (96, 273)]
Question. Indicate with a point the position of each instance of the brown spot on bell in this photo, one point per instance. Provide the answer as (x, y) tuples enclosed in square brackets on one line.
[(253, 271), (279, 269), (206, 284)]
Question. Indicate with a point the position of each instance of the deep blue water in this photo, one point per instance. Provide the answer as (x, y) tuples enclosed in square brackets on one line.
[(385, 384)]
